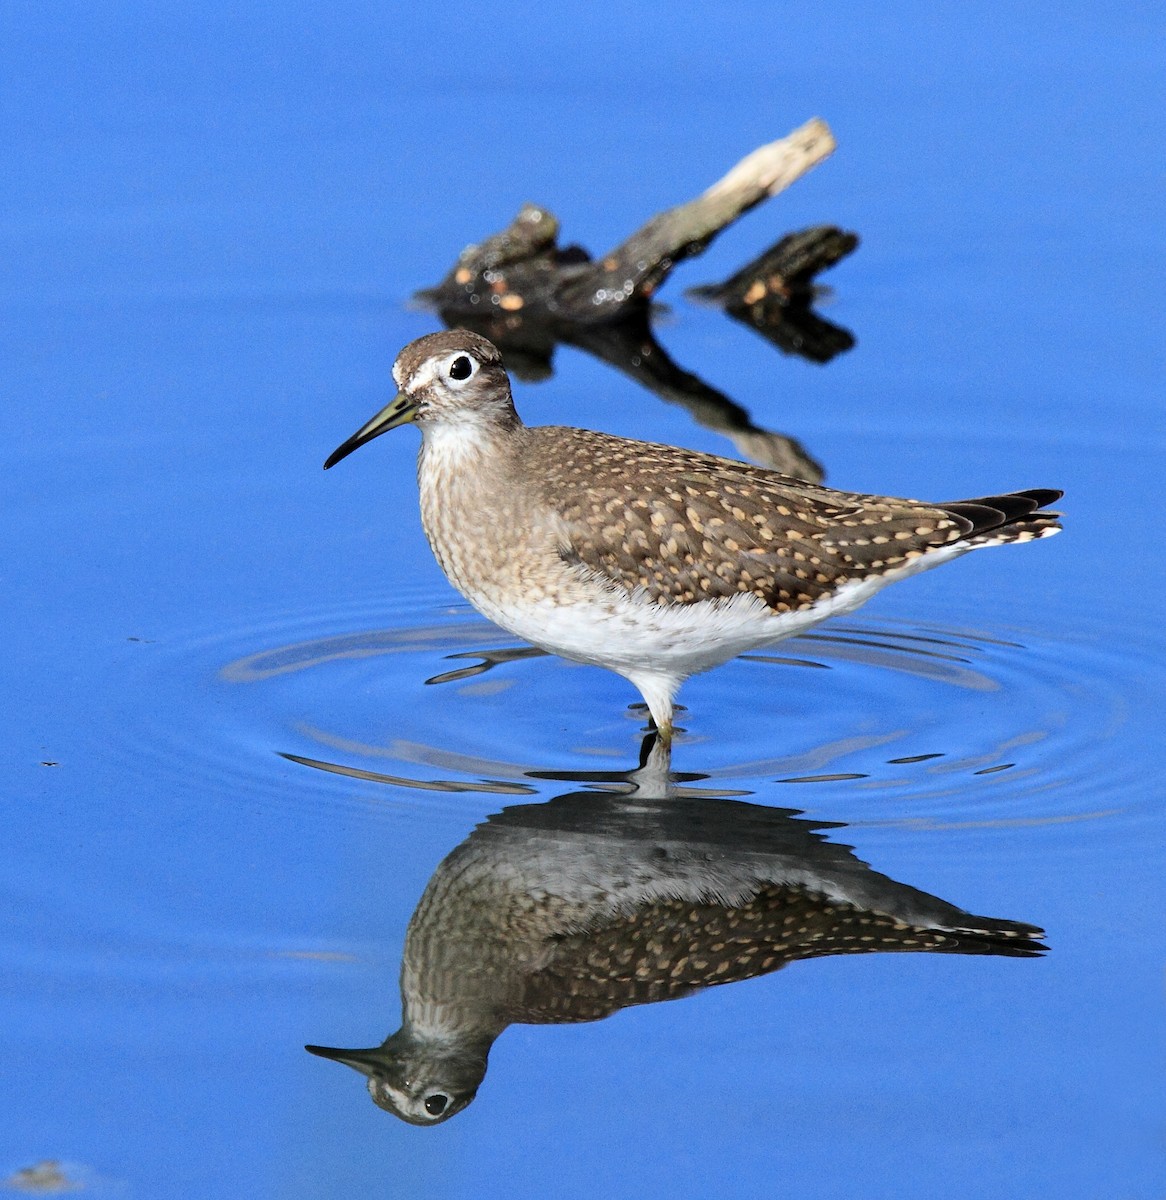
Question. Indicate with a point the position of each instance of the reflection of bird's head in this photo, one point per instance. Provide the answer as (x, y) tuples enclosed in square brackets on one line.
[(422, 1081)]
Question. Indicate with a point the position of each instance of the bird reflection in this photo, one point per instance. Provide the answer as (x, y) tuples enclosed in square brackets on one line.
[(645, 889)]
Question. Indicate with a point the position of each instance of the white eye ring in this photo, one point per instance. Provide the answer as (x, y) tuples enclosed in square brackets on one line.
[(459, 368)]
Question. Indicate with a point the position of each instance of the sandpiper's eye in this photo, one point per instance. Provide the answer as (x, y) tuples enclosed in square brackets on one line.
[(461, 367), (436, 1104)]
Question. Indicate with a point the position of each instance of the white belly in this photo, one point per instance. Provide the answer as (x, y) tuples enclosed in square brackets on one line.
[(633, 636)]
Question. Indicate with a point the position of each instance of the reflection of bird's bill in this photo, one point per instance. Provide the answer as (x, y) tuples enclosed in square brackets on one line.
[(658, 892), (364, 1061), (399, 411)]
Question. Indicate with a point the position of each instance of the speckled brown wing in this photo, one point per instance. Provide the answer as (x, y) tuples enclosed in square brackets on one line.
[(672, 948), (682, 526)]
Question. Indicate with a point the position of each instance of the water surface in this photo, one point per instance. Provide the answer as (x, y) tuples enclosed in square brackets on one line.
[(247, 718)]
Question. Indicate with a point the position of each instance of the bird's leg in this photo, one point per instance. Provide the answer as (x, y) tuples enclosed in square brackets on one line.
[(658, 693)]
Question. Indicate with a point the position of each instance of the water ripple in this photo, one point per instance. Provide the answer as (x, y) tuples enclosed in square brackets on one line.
[(881, 722)]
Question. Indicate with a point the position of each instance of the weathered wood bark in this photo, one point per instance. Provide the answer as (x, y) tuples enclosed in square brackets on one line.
[(774, 294), (522, 268)]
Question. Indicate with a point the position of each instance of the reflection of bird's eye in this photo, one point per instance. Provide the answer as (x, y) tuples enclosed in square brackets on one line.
[(461, 367), (436, 1104)]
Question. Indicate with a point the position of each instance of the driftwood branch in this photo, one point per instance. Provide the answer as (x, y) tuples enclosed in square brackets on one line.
[(522, 267), (527, 294)]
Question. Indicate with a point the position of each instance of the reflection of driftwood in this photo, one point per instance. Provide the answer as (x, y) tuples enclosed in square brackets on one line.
[(522, 269), (528, 343), (774, 293)]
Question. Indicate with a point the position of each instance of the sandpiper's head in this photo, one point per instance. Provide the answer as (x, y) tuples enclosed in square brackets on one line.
[(421, 1081), (451, 376)]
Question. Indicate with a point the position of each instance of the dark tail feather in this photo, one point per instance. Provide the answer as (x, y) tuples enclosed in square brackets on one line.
[(1011, 517), (987, 935)]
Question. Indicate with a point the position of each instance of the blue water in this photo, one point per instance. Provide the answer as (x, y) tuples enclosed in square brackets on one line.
[(213, 221)]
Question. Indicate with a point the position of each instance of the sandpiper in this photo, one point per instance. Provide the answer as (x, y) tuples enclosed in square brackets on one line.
[(651, 560)]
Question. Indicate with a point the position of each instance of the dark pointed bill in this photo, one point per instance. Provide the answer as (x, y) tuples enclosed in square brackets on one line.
[(364, 1061), (399, 411)]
